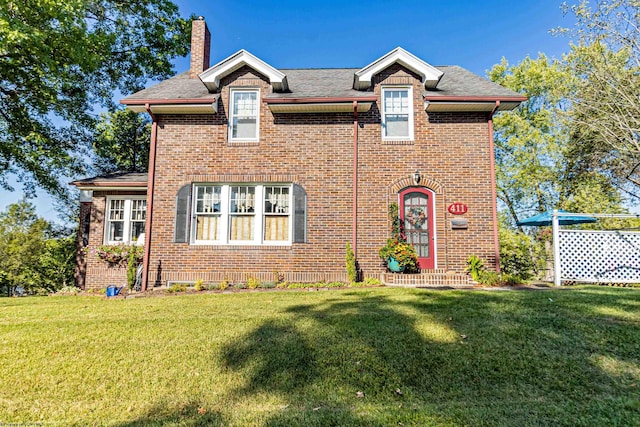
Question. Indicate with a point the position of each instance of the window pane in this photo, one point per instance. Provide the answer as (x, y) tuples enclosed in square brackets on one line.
[(276, 228), (243, 199), (116, 231), (397, 125), (276, 200), (241, 227), (244, 128), (137, 228), (207, 199), (207, 227), (116, 210)]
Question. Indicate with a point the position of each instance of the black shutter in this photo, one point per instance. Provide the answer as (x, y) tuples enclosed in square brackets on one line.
[(183, 208), (299, 214)]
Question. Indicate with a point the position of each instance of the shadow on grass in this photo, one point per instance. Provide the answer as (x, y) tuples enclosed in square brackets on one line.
[(190, 415), (437, 358)]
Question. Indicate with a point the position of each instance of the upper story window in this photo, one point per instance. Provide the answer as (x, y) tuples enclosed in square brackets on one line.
[(397, 113), (244, 117), (125, 219)]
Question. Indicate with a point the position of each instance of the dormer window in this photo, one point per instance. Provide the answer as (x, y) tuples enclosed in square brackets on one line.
[(244, 115), (397, 113)]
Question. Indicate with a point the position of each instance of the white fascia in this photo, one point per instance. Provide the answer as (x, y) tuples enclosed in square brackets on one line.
[(212, 76), (429, 74)]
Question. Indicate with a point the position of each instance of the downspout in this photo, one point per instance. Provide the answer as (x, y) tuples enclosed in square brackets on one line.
[(354, 236), (151, 180), (494, 195)]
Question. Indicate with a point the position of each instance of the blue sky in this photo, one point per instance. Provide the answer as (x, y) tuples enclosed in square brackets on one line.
[(352, 34)]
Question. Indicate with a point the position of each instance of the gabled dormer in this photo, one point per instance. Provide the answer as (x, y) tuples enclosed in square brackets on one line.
[(212, 76), (429, 75)]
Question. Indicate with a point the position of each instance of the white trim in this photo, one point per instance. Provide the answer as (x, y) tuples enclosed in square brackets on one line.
[(429, 75), (212, 76), (411, 113), (126, 228), (233, 91)]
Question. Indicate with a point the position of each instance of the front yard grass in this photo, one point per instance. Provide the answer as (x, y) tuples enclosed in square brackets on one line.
[(377, 357)]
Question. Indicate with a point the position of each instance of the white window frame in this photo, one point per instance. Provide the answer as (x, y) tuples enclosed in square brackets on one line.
[(226, 214), (126, 232), (410, 113), (232, 116)]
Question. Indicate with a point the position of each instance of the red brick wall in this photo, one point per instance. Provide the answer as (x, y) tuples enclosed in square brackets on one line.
[(97, 273), (451, 151), (316, 151)]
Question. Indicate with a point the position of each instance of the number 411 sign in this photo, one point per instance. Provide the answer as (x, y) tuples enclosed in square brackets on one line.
[(457, 208)]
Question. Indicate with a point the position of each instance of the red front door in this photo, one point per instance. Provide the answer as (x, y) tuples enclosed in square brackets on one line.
[(416, 214)]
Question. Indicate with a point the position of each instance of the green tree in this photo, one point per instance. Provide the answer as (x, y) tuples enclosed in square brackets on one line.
[(58, 59), (121, 142), (57, 263), (529, 141), (34, 255), (22, 239), (605, 115)]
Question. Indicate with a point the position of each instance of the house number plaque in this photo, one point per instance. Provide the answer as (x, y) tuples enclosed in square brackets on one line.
[(457, 208)]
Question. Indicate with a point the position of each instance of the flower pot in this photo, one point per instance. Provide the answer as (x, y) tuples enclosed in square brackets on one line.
[(394, 265)]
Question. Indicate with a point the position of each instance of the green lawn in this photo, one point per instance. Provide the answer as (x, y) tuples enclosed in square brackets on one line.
[(558, 357)]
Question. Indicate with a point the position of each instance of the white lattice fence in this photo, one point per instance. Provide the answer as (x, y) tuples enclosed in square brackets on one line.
[(600, 256)]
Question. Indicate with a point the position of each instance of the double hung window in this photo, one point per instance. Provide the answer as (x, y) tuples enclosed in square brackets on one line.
[(397, 113), (125, 219), (242, 214), (244, 115)]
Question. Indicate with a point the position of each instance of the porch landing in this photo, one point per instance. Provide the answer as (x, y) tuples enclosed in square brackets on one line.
[(430, 279)]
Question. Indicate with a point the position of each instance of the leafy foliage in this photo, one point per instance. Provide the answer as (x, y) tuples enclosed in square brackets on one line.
[(401, 251), (475, 266), (33, 254), (118, 255), (352, 271), (121, 142), (60, 58)]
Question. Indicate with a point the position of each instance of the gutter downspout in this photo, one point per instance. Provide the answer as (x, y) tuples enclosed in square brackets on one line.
[(151, 180), (494, 195), (354, 236)]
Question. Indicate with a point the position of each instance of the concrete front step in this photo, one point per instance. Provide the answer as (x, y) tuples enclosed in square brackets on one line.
[(432, 278)]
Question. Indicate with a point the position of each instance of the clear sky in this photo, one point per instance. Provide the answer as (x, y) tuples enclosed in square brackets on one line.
[(351, 34)]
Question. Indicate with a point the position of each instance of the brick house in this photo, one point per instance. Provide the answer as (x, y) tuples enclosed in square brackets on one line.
[(256, 170)]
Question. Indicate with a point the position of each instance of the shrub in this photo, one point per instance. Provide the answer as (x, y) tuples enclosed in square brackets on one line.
[(475, 267), (199, 285), (224, 284), (68, 290), (268, 285), (177, 287), (352, 270), (253, 283)]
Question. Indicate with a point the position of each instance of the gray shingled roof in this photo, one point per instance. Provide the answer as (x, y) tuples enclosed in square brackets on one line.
[(329, 82), (114, 178)]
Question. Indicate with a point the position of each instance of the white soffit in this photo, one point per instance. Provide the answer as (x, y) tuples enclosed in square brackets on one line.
[(336, 107), (210, 107), (464, 106), (429, 74), (211, 77)]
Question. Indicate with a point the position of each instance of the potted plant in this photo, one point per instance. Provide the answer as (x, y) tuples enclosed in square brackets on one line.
[(399, 255)]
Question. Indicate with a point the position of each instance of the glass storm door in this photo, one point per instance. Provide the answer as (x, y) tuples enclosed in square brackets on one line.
[(416, 215)]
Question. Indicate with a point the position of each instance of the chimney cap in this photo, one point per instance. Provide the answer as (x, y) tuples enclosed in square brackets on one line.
[(200, 18)]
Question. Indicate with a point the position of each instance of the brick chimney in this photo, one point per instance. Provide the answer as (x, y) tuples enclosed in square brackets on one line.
[(200, 47)]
